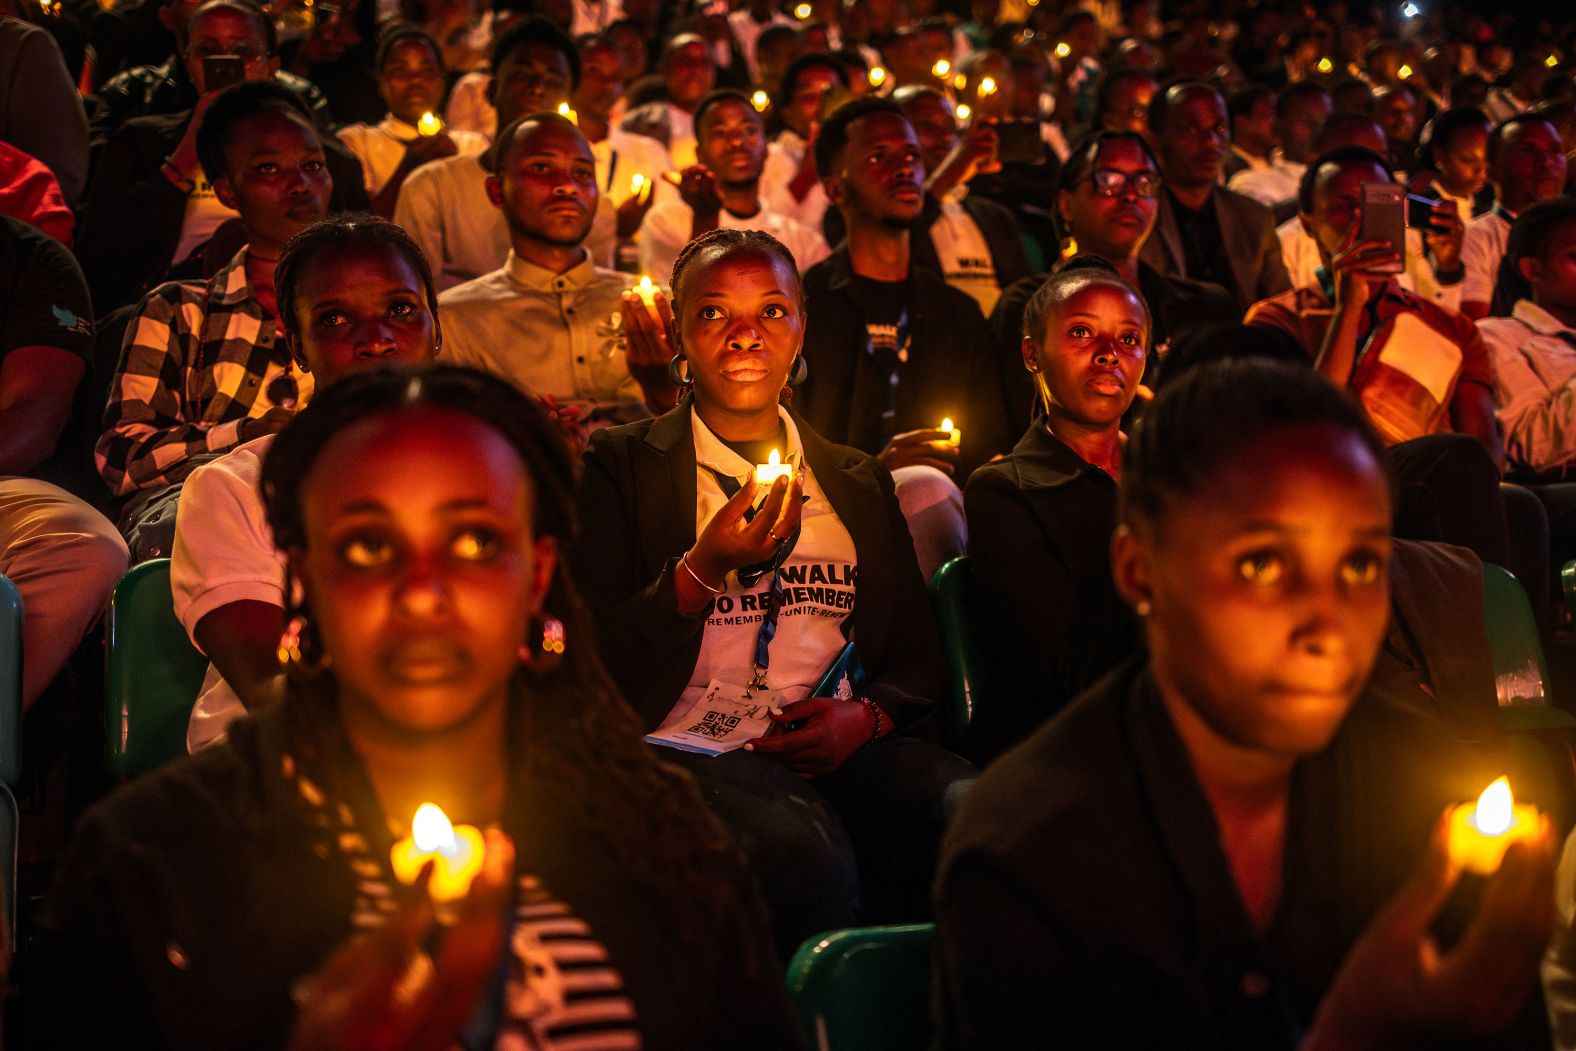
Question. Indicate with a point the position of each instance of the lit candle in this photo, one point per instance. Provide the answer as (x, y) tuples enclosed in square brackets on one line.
[(964, 112), (565, 111), (1481, 832), (428, 125), (802, 11), (987, 86), (941, 68), (1325, 65), (773, 469), (1552, 61), (647, 291), (960, 81), (878, 76), (1063, 50), (455, 852), (638, 187), (1405, 72), (955, 436), (760, 101)]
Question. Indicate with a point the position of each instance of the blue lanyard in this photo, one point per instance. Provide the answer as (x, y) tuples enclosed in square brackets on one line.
[(751, 574)]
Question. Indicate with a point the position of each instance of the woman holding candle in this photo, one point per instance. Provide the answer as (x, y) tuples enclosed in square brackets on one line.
[(247, 896), (698, 576), (1228, 844)]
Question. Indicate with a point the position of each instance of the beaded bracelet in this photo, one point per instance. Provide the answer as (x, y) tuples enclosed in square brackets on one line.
[(878, 720)]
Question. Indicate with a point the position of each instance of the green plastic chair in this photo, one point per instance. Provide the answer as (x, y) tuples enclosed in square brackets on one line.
[(1521, 675), (864, 989), (154, 673), (963, 643)]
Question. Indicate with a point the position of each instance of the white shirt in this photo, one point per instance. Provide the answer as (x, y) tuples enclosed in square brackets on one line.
[(1534, 392), (445, 209), (818, 582), (224, 552), (204, 215), (1301, 255), (622, 155), (783, 158), (381, 147), (1254, 164), (1273, 184), (1482, 250), (964, 255), (667, 230), (469, 108), (747, 31), (681, 138)]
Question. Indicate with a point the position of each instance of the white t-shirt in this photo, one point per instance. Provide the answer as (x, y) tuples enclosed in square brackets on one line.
[(1271, 185), (204, 215), (224, 552), (783, 158), (818, 586), (380, 147), (747, 31), (623, 155), (964, 255), (681, 138), (469, 107), (1301, 255), (1482, 250), (667, 230)]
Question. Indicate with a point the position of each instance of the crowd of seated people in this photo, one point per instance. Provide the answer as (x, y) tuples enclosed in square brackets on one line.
[(1029, 467)]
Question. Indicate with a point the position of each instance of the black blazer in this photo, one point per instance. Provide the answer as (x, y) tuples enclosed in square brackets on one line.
[(637, 516), (1247, 229), (131, 221)]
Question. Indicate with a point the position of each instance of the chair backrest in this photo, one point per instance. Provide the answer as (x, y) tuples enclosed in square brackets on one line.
[(10, 683), (154, 673), (864, 989), (962, 642), (1521, 675)]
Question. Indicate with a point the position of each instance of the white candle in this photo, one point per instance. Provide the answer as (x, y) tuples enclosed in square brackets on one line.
[(647, 291), (1481, 832), (773, 469), (565, 111), (429, 125), (955, 436)]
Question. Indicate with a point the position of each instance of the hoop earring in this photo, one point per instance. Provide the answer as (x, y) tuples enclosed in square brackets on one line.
[(299, 651), (684, 381), (800, 371), (552, 642)]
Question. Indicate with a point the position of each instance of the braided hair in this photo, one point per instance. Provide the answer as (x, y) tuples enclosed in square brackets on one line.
[(646, 815), (333, 234)]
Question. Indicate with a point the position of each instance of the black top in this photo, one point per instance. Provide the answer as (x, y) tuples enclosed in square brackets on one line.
[(1040, 524), (43, 298), (131, 221), (951, 369), (1202, 246), (192, 900), (1084, 900), (1176, 304), (637, 516)]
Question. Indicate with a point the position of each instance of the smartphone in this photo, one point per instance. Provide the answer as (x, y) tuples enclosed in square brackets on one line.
[(1019, 142), (220, 71), (1384, 219), (1420, 211)]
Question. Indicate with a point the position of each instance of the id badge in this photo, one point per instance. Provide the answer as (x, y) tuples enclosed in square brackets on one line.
[(726, 717)]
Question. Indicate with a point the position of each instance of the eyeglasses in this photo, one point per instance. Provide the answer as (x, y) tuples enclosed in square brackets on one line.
[(1108, 182)]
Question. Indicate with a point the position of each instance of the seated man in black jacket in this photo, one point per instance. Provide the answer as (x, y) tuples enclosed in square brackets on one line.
[(892, 349), (149, 207)]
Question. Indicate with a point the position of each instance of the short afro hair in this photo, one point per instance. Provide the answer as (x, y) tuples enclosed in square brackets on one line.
[(233, 107), (832, 139)]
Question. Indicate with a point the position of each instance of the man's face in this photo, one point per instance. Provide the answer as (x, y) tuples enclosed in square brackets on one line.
[(1530, 166), (1396, 111), (879, 173), (1258, 125), (1337, 202), (1463, 168), (688, 71), (1193, 142), (411, 81), (546, 184), (533, 78), (804, 104), (600, 83), (730, 141), (224, 31), (935, 125), (275, 175), (1553, 278)]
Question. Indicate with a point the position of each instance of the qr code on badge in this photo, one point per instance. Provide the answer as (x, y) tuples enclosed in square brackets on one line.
[(715, 725)]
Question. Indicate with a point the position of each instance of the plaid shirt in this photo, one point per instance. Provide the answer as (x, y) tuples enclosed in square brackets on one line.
[(196, 361)]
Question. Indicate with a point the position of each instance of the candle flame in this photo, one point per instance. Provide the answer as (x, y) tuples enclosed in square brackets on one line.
[(1325, 65), (802, 11), (429, 124), (565, 111), (1495, 812), (946, 423), (1552, 61), (646, 287), (1063, 50), (760, 101), (964, 113), (775, 459), (941, 68), (1405, 72), (988, 86), (878, 76), (960, 81), (432, 831)]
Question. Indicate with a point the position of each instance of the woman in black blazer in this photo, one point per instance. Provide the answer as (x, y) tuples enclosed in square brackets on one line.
[(694, 593)]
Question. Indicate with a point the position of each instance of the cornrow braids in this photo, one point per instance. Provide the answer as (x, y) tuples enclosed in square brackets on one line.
[(334, 233), (726, 243)]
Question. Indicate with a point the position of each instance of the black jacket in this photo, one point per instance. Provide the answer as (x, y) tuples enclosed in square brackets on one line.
[(1247, 230), (637, 516), (1084, 872), (193, 899), (131, 222), (951, 369), (1040, 524)]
